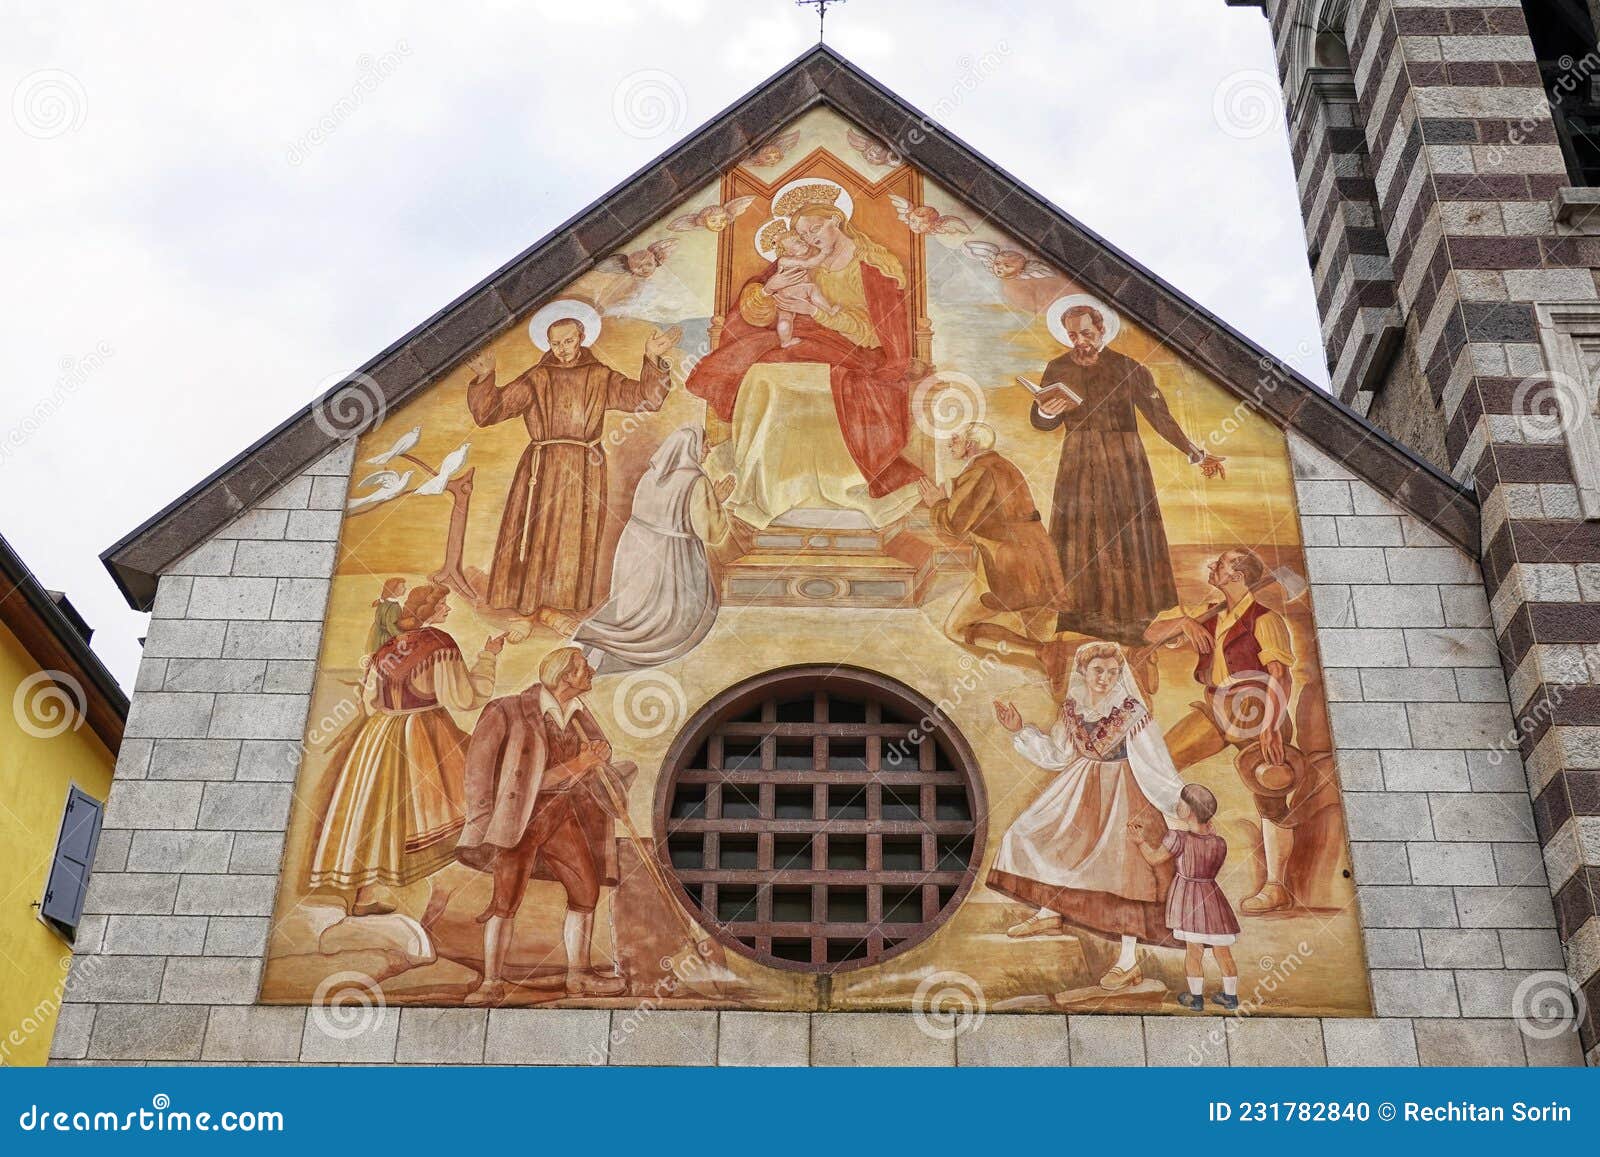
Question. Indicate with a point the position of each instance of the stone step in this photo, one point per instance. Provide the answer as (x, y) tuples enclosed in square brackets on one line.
[(898, 576)]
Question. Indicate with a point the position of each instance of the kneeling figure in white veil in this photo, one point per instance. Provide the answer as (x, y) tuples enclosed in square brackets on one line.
[(663, 600), (1069, 854)]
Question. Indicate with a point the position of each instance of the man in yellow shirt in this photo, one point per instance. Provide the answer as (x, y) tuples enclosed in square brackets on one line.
[(1244, 659)]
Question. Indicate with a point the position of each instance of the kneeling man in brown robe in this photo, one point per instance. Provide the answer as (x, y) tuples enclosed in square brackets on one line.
[(1017, 588), (538, 808)]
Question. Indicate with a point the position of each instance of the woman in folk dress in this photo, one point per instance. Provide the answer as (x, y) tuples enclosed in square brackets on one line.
[(395, 808), (1068, 855)]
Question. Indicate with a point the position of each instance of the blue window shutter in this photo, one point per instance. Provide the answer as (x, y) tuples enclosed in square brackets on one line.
[(69, 871)]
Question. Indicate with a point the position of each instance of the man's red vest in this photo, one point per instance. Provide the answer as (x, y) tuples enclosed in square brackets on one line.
[(1240, 650)]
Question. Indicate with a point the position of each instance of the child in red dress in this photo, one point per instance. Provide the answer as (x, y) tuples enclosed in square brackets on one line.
[(1197, 911)]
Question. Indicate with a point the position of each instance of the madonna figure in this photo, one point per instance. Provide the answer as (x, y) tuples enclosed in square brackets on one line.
[(820, 418)]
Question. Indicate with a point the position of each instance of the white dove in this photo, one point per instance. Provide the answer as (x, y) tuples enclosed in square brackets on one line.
[(389, 485), (406, 441), (447, 469)]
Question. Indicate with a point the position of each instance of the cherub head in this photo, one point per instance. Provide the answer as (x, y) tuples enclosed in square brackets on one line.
[(1008, 263), (642, 263)]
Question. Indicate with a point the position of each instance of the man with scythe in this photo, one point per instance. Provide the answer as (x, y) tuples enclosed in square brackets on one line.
[(544, 794), (531, 814)]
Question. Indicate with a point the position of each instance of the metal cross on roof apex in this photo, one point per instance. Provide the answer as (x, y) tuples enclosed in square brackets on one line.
[(822, 11)]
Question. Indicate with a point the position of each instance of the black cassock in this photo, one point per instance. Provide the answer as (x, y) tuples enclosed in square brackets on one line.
[(1105, 518)]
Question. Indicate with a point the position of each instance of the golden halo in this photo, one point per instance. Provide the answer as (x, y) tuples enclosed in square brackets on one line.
[(563, 308), (791, 196), (1060, 305)]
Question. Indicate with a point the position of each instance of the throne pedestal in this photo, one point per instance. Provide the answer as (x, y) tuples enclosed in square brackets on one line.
[(830, 557)]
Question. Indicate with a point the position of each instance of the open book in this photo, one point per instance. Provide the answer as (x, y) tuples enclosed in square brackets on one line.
[(1054, 390)]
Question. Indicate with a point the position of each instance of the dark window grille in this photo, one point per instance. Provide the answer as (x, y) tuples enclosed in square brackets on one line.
[(821, 819)]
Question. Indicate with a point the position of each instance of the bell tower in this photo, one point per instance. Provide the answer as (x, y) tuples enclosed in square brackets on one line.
[(1448, 156)]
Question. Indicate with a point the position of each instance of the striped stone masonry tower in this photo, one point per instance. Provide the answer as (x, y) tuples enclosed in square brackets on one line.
[(1349, 253), (1493, 262)]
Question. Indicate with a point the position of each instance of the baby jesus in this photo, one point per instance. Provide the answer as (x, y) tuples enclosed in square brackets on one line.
[(795, 252)]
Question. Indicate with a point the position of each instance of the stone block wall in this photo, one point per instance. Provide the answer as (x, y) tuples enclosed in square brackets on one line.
[(1453, 893), (1470, 184)]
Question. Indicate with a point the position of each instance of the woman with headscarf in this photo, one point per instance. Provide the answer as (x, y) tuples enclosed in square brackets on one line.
[(1068, 854), (396, 802), (663, 600)]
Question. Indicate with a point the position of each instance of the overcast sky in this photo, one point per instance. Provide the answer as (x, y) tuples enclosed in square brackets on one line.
[(211, 209)]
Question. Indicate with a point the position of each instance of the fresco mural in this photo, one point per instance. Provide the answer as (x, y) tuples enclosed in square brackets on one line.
[(823, 414)]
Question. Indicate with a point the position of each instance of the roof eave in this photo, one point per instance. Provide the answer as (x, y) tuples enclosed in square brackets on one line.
[(46, 633)]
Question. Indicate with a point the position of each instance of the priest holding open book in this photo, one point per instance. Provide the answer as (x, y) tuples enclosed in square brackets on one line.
[(1105, 517)]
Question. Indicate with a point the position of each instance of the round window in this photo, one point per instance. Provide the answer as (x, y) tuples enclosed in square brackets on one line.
[(821, 818)]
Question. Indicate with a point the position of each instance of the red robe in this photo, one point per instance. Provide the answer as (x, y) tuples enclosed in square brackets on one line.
[(870, 393)]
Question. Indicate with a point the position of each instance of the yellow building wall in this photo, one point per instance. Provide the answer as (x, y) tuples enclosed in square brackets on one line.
[(35, 773)]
